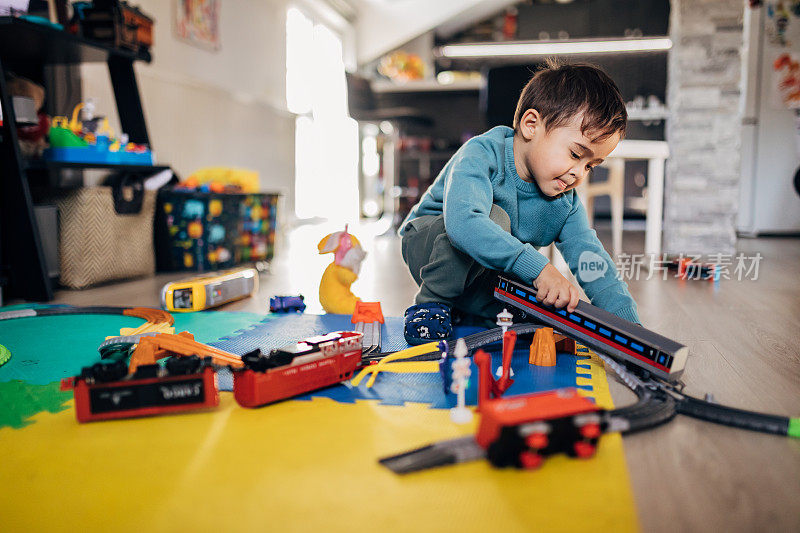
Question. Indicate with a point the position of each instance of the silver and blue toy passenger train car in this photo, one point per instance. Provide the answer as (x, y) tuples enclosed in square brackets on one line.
[(601, 330)]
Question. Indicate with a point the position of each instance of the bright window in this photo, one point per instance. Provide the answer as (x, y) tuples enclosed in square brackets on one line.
[(326, 138)]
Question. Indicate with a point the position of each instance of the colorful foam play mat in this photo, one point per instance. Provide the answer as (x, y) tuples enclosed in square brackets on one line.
[(309, 463)]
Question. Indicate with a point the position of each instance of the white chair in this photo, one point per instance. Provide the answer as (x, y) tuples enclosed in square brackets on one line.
[(614, 188), (656, 154)]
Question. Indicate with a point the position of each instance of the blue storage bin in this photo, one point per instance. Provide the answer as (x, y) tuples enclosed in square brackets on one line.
[(93, 154)]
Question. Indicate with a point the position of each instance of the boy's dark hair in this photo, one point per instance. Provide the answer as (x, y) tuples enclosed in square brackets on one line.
[(560, 91)]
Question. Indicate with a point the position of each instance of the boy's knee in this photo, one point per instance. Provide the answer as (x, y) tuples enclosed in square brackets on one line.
[(403, 248), (500, 217)]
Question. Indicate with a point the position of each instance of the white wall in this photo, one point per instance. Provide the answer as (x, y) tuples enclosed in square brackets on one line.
[(222, 108), (228, 107)]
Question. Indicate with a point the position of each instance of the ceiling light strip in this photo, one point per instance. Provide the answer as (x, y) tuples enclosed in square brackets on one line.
[(543, 48)]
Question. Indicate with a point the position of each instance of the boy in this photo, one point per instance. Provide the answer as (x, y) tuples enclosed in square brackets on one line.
[(509, 191)]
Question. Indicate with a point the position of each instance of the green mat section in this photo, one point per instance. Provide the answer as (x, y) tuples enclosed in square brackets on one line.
[(20, 401), (5, 355), (48, 349), (209, 326)]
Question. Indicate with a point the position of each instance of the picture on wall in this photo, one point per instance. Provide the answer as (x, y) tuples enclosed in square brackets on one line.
[(197, 22)]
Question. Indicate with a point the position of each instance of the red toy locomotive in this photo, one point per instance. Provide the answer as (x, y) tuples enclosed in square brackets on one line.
[(520, 431), (298, 368), (107, 391)]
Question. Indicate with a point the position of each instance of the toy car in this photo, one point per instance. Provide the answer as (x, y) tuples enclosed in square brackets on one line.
[(287, 304), (688, 269)]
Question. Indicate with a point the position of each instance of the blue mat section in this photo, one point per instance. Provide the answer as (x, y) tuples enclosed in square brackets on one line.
[(396, 389), (277, 330)]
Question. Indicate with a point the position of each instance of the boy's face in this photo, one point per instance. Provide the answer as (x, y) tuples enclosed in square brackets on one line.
[(560, 159)]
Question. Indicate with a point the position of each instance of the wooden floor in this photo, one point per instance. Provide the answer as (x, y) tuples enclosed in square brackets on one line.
[(744, 339)]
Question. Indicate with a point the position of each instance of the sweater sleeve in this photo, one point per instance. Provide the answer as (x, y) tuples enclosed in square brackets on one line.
[(467, 202), (592, 265)]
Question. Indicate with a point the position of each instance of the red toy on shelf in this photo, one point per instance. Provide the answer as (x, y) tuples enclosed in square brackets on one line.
[(302, 367)]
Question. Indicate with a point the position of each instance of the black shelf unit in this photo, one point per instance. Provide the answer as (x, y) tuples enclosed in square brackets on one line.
[(26, 48), (39, 164), (32, 43)]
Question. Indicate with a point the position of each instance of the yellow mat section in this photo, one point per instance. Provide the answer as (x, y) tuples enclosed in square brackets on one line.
[(293, 466)]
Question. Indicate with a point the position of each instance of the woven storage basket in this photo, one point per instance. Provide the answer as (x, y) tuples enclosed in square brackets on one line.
[(105, 234)]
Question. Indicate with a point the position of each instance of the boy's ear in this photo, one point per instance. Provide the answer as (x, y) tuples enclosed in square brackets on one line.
[(529, 122)]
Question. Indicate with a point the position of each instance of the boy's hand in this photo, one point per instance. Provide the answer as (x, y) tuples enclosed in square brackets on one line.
[(553, 289)]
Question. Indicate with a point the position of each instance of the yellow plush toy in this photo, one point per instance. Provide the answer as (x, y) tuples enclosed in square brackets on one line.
[(334, 288)]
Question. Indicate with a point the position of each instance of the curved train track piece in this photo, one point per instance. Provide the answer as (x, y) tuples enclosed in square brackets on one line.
[(149, 314)]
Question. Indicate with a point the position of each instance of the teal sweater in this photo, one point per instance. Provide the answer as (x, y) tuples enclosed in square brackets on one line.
[(482, 173)]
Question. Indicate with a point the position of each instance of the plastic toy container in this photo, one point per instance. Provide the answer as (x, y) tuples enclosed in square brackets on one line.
[(201, 231)]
